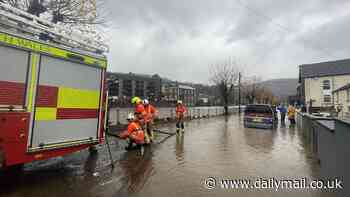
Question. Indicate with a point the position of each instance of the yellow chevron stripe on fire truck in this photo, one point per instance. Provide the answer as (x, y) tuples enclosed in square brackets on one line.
[(45, 113), (34, 61), (44, 48), (77, 98)]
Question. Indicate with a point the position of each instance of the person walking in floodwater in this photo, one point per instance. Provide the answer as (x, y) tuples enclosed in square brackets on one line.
[(180, 114), (291, 114), (283, 110)]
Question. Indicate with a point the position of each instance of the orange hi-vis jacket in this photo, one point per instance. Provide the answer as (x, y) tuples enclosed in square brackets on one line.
[(150, 112), (180, 111), (135, 132)]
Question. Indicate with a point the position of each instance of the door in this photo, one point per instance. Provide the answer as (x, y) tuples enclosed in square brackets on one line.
[(13, 78), (67, 103)]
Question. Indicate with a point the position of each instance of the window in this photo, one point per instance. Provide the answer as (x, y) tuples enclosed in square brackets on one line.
[(127, 88), (327, 98), (348, 95), (139, 88), (337, 97), (326, 84)]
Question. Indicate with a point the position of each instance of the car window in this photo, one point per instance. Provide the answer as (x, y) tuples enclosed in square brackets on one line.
[(258, 109)]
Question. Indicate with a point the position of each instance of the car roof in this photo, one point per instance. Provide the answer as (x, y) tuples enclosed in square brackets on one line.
[(258, 105)]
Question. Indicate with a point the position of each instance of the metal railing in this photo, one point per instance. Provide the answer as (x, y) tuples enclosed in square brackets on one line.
[(118, 115)]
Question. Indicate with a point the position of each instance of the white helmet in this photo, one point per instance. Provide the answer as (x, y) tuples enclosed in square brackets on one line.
[(179, 102), (131, 116), (145, 102)]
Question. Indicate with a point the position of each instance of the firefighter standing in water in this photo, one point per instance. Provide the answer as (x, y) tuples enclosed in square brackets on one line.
[(151, 113), (140, 114), (180, 114), (134, 134)]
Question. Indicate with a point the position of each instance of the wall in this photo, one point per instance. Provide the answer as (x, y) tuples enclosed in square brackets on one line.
[(329, 140), (342, 160)]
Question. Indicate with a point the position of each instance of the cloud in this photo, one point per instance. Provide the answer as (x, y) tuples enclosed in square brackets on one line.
[(181, 39)]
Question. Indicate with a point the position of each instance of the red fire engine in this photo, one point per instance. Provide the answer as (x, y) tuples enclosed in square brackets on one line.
[(52, 89)]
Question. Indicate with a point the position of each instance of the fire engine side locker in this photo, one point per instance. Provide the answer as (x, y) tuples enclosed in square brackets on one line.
[(67, 104), (14, 120), (29, 83)]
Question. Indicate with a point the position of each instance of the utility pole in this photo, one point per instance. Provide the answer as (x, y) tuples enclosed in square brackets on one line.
[(239, 92)]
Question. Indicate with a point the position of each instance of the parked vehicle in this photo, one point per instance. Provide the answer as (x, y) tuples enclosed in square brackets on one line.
[(52, 91), (259, 116)]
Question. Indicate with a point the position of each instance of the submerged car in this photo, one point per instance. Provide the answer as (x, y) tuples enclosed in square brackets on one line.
[(259, 116)]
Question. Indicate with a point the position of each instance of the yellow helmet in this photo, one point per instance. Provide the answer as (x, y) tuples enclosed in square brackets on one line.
[(136, 100)]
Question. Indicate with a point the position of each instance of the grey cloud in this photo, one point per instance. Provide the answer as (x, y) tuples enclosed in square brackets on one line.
[(332, 37), (180, 39)]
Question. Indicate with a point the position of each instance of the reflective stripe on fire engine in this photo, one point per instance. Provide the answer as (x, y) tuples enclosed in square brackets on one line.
[(77, 98), (51, 113), (106, 111), (45, 113), (34, 61), (44, 48)]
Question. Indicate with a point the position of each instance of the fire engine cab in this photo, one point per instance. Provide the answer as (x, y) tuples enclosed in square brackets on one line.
[(52, 89)]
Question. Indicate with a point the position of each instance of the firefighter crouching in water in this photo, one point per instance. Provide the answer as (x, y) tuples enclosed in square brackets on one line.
[(140, 114), (151, 113), (134, 134), (180, 115)]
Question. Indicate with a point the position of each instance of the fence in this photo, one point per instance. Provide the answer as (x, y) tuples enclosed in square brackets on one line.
[(329, 139), (119, 115)]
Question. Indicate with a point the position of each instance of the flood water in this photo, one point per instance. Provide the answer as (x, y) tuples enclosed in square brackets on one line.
[(177, 166)]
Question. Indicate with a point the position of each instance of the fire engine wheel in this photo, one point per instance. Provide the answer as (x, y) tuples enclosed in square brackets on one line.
[(2, 160), (93, 149)]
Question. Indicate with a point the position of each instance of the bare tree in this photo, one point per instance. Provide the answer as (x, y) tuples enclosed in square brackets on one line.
[(86, 17), (255, 92), (64, 11), (251, 89), (265, 96), (225, 77)]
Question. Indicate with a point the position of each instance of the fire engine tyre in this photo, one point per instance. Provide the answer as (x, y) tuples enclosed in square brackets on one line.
[(93, 149), (2, 160)]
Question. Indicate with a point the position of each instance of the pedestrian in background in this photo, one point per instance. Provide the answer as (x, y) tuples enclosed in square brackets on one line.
[(283, 110), (291, 114), (180, 115)]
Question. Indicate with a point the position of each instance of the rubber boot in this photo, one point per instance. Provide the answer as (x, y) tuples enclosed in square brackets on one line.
[(129, 147), (150, 133), (147, 138), (142, 149), (93, 149), (151, 136)]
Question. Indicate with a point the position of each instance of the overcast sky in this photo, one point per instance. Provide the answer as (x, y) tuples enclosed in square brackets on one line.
[(179, 39)]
